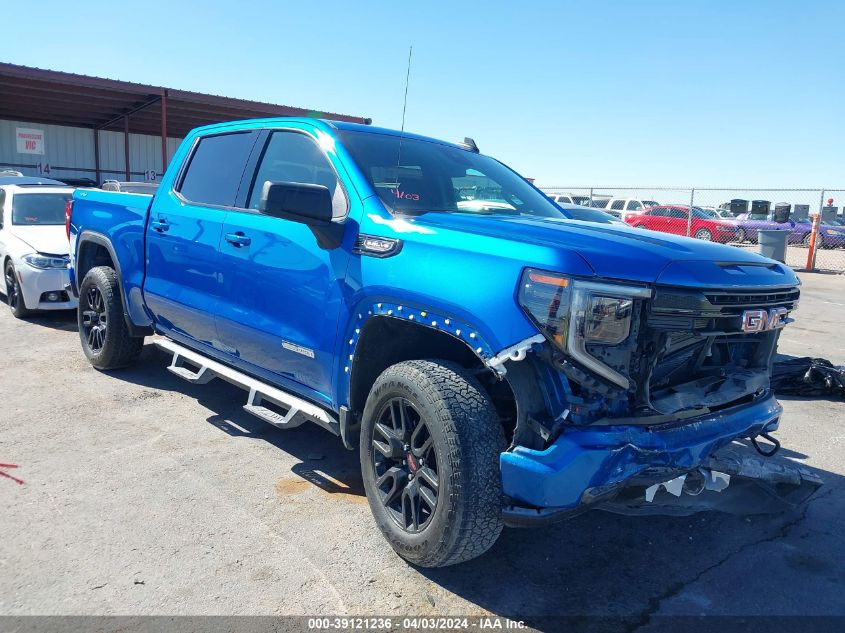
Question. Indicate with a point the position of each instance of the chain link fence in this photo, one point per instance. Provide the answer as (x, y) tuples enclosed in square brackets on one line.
[(812, 218)]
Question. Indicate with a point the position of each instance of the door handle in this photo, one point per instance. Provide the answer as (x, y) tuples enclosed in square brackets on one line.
[(238, 239), (161, 225)]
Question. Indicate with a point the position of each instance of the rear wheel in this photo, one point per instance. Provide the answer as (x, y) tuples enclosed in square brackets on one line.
[(430, 445), (14, 296), (102, 322), (704, 234)]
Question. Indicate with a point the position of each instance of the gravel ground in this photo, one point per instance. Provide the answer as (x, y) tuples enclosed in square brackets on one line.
[(146, 495)]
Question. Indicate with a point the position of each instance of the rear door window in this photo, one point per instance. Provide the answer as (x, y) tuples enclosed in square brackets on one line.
[(216, 168)]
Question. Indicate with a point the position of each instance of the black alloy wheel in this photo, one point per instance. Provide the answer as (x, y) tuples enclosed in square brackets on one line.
[(14, 296), (405, 465), (12, 293), (94, 319)]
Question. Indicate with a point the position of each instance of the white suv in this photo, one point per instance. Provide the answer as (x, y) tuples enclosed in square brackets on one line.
[(33, 244), (629, 206), (569, 198)]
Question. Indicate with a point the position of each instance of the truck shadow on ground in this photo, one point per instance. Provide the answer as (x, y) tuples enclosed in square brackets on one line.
[(598, 565), (323, 461)]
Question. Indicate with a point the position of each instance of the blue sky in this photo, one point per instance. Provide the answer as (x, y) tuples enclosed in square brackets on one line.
[(741, 93)]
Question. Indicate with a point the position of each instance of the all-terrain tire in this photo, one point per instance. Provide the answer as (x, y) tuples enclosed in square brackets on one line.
[(112, 347), (467, 438), (14, 296)]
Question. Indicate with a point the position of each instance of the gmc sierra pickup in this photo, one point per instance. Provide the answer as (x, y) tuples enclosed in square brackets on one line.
[(494, 362)]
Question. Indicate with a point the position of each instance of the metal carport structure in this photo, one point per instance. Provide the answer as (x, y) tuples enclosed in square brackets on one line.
[(51, 97)]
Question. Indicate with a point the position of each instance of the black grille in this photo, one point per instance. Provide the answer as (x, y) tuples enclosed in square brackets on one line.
[(775, 298), (713, 310)]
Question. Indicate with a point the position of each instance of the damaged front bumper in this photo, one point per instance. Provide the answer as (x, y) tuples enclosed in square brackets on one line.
[(611, 467)]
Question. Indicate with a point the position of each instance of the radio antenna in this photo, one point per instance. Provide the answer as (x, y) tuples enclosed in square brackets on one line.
[(407, 80), (404, 108)]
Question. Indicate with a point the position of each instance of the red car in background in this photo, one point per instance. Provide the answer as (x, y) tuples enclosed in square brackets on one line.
[(675, 219)]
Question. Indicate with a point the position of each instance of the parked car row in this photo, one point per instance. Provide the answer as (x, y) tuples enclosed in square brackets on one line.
[(719, 224)]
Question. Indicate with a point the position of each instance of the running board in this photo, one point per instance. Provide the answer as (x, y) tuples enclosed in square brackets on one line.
[(292, 410)]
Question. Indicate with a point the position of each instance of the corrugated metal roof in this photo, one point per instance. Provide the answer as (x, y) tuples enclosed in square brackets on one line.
[(50, 96)]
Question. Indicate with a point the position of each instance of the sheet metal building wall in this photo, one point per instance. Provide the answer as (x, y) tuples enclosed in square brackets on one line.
[(70, 152)]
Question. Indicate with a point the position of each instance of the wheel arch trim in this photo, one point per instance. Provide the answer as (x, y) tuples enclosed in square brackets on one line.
[(93, 237), (435, 320)]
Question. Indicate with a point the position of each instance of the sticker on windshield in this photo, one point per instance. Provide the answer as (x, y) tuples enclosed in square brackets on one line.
[(401, 195)]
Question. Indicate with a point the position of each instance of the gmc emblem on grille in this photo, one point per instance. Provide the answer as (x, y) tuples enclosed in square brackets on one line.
[(762, 320)]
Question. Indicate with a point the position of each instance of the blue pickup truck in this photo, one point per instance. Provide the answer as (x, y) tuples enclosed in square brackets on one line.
[(493, 362)]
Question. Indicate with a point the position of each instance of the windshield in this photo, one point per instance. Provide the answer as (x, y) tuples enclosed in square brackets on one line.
[(430, 177), (39, 209), (650, 203)]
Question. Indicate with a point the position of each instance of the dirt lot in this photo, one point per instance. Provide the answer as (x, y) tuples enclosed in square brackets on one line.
[(146, 495)]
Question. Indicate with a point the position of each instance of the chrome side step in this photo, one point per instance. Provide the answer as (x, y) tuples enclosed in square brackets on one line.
[(294, 410)]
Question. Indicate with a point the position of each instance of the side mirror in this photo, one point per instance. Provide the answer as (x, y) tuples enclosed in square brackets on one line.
[(297, 201)]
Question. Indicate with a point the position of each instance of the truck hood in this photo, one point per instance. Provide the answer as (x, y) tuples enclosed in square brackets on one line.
[(628, 254), (51, 240)]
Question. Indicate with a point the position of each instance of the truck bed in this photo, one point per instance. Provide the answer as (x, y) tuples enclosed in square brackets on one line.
[(120, 218)]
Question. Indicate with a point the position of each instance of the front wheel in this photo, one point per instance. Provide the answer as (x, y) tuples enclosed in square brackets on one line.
[(14, 296), (430, 446), (741, 236), (102, 322), (819, 240)]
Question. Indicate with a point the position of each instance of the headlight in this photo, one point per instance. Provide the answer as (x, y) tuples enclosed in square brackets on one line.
[(44, 262), (573, 313), (835, 233)]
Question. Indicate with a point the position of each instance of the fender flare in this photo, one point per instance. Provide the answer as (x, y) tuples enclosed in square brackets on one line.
[(93, 237), (435, 319)]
